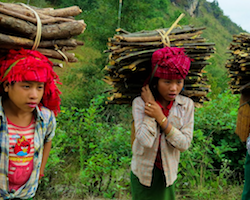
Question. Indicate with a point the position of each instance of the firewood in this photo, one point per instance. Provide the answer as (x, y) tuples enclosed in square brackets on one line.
[(56, 55), (18, 29), (63, 30), (130, 61), (61, 12), (10, 42), (54, 31), (33, 20)]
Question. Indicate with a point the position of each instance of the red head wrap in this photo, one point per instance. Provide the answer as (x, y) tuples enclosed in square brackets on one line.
[(29, 65), (171, 62)]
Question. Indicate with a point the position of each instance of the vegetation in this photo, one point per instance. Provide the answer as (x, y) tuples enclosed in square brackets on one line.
[(91, 151)]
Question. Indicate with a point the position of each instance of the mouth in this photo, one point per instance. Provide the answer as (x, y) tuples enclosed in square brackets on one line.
[(32, 105), (172, 96)]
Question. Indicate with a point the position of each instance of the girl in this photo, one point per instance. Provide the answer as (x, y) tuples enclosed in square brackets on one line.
[(29, 99), (163, 122)]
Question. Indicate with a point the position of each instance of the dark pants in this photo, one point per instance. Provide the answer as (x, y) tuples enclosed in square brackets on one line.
[(246, 190), (157, 190)]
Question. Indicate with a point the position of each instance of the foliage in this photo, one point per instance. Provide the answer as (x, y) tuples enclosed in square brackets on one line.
[(216, 155), (103, 151), (91, 150), (218, 120)]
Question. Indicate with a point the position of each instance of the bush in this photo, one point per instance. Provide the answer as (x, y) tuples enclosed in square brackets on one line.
[(217, 119), (89, 156)]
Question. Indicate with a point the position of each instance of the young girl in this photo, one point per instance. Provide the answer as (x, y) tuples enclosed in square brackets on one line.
[(163, 122), (28, 104)]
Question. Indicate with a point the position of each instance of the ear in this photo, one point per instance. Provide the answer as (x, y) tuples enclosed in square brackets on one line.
[(6, 85)]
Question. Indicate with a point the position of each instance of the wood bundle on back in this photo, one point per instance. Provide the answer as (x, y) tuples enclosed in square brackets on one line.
[(130, 61), (18, 29), (238, 66)]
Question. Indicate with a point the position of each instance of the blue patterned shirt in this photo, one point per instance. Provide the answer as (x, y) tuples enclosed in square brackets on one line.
[(44, 132)]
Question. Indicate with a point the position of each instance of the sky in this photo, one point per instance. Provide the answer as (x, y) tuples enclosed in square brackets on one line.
[(237, 10)]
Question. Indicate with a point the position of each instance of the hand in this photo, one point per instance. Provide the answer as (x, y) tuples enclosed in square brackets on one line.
[(146, 94), (152, 109)]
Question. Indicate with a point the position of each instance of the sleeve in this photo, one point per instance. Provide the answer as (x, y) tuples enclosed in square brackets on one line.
[(181, 137), (145, 126), (50, 132)]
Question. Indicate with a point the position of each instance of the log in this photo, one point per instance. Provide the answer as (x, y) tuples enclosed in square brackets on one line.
[(17, 26), (62, 12), (191, 93), (63, 30), (49, 53), (13, 42), (46, 12), (156, 38), (55, 31), (56, 55), (33, 19)]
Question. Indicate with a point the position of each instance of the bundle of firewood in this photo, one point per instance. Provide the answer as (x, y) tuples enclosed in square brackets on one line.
[(20, 25), (238, 64), (130, 61)]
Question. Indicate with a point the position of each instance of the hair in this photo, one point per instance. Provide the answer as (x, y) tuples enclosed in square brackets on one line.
[(153, 87), (29, 65), (4, 94)]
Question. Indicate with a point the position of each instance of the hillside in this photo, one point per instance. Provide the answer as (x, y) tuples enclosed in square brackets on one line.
[(102, 20), (91, 151)]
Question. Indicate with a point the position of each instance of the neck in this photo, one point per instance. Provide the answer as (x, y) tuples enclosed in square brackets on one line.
[(163, 102)]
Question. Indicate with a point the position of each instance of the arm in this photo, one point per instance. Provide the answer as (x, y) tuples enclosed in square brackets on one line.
[(50, 133), (145, 125), (46, 150), (146, 118), (181, 137)]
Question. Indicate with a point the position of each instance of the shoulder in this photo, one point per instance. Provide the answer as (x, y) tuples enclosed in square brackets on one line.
[(138, 102), (46, 114), (185, 101)]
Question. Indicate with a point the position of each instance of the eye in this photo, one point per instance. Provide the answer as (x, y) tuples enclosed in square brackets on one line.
[(26, 86), (40, 87), (167, 81)]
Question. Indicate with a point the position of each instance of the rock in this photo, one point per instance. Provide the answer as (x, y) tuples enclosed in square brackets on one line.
[(191, 6)]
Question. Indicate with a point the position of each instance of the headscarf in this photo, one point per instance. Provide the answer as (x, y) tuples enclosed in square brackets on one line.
[(171, 63), (30, 65)]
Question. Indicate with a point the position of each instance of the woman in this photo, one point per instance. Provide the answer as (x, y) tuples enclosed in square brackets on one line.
[(163, 122)]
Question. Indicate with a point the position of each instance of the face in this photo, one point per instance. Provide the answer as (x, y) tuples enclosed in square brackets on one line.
[(24, 96), (169, 89)]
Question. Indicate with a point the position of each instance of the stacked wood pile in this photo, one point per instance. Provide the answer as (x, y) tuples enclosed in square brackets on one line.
[(19, 28), (130, 61), (238, 64)]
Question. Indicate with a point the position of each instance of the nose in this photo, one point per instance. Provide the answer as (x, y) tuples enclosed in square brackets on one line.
[(33, 93), (173, 87)]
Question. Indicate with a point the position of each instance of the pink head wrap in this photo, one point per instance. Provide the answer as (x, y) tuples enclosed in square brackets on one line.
[(29, 65), (171, 63)]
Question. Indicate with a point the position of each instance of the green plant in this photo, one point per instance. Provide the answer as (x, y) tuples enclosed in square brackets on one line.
[(218, 119)]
